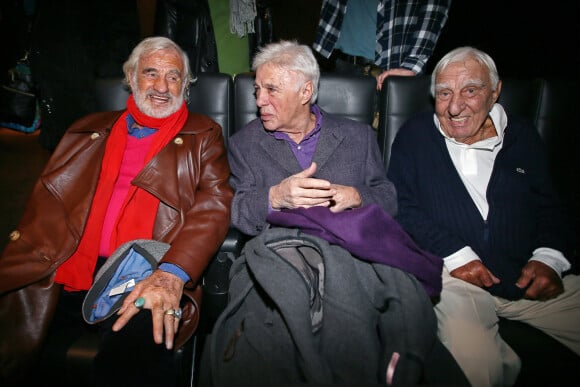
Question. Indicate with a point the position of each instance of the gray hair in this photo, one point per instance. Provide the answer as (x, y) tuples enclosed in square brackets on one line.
[(150, 45), (460, 54), (291, 56)]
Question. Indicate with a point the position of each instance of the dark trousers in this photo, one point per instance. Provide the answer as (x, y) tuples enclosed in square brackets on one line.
[(130, 357), (442, 370), (66, 327), (346, 64), (346, 67), (126, 358)]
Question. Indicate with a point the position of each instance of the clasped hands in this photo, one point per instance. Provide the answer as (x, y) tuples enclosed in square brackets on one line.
[(303, 190), (540, 281)]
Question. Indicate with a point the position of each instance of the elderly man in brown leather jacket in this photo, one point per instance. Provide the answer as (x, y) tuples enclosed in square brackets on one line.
[(154, 171)]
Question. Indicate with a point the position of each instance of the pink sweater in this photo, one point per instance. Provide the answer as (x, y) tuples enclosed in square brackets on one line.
[(133, 160)]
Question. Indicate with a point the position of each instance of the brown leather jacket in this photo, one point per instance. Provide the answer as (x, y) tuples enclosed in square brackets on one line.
[(189, 176)]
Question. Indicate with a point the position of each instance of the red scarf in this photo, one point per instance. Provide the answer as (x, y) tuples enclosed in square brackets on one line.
[(137, 214)]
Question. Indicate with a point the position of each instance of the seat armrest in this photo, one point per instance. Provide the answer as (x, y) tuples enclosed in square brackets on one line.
[(215, 282), (234, 242)]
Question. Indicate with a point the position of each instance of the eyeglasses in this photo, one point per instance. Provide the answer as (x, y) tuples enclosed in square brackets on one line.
[(468, 92)]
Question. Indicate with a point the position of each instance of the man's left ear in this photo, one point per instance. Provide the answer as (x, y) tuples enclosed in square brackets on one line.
[(307, 90), (497, 91), (129, 79)]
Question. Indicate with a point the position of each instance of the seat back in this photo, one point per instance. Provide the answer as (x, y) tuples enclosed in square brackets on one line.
[(546, 102), (557, 123), (349, 96), (402, 97), (211, 94), (245, 109), (399, 99), (111, 94), (522, 97)]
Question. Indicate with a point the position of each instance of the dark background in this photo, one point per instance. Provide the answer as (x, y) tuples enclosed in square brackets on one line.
[(75, 42), (525, 38)]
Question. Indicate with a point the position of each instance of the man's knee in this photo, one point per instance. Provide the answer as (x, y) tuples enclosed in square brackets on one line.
[(483, 356)]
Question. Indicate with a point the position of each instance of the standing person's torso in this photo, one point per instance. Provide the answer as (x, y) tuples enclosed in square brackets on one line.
[(358, 33)]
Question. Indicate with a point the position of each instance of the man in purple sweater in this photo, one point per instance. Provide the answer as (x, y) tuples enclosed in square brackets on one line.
[(473, 187), (296, 155)]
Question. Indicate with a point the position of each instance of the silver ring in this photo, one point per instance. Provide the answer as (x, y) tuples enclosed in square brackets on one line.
[(177, 313)]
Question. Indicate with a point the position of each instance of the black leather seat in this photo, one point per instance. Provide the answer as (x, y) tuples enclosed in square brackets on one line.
[(547, 104), (399, 99), (245, 109), (557, 122), (111, 94), (402, 97), (348, 96), (210, 94), (344, 95)]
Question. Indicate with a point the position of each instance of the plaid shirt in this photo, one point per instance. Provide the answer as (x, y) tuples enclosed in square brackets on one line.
[(407, 31)]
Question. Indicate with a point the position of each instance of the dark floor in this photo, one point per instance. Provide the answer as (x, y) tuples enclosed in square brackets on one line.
[(21, 161)]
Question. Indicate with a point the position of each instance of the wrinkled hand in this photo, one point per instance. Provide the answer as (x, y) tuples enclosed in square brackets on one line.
[(475, 273), (541, 281), (161, 291), (403, 72), (302, 190), (346, 197)]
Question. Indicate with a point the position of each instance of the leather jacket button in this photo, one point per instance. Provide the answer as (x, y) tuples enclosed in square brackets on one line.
[(178, 141), (95, 135), (14, 235)]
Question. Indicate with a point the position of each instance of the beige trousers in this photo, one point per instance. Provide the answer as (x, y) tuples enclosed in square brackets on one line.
[(468, 326)]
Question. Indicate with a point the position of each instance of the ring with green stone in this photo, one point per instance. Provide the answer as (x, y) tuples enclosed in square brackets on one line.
[(139, 302)]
